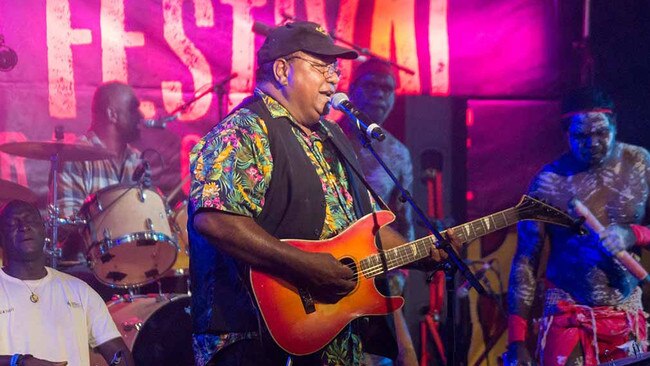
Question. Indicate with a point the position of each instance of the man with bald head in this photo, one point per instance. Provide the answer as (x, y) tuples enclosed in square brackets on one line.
[(114, 125), (115, 120)]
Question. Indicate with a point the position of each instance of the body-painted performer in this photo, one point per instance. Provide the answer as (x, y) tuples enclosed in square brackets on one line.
[(592, 310)]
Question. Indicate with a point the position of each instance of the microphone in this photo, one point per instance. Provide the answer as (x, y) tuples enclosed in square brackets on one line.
[(463, 290), (8, 57), (159, 123), (341, 102)]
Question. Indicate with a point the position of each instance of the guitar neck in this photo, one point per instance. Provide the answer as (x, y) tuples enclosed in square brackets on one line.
[(402, 255)]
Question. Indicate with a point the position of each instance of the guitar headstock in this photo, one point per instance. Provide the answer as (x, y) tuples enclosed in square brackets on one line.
[(530, 208)]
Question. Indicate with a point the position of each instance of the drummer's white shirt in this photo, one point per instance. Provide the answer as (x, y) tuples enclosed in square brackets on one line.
[(68, 317)]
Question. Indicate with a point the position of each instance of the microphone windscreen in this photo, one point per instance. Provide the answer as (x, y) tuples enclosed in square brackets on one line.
[(337, 99)]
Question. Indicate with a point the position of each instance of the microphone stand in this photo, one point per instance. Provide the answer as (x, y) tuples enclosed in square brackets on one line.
[(367, 52), (218, 88), (455, 263), (220, 91), (361, 50)]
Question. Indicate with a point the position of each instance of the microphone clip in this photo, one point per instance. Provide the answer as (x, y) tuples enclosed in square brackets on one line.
[(142, 174)]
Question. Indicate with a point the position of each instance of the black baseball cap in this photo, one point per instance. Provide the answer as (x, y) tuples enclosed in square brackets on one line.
[(300, 36)]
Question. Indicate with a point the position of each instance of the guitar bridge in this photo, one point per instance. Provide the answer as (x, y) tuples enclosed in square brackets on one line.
[(307, 301)]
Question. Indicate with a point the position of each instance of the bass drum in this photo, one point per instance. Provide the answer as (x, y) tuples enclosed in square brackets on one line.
[(156, 328)]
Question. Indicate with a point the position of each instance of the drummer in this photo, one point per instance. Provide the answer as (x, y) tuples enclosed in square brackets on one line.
[(115, 120), (114, 125)]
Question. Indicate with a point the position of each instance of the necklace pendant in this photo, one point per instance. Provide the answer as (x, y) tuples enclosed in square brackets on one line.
[(33, 298)]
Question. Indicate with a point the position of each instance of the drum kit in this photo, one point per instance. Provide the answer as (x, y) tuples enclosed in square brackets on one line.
[(131, 238)]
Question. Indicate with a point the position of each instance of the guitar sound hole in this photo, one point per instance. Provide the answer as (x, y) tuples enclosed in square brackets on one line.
[(353, 265)]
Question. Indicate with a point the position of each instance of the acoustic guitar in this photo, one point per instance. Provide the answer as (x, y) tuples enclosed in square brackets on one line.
[(301, 325)]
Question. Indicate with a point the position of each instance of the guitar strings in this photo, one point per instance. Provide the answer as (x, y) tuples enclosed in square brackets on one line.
[(374, 270)]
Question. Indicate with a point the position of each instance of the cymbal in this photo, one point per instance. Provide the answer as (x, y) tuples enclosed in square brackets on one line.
[(10, 190), (43, 150)]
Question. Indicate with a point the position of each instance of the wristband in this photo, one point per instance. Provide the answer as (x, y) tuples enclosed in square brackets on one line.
[(642, 234), (517, 328), (22, 358), (14, 359)]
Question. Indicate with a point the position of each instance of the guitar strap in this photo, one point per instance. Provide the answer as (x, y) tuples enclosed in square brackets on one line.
[(378, 333), (350, 168)]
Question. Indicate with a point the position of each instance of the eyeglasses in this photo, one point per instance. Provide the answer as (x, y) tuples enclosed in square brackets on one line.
[(328, 70)]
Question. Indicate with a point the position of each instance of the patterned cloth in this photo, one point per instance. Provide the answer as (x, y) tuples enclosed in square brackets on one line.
[(232, 168), (605, 333), (78, 179)]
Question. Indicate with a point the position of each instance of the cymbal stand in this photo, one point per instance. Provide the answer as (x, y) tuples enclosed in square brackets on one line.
[(55, 162), (54, 251)]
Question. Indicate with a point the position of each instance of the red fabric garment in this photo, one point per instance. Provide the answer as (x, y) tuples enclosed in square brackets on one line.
[(574, 323), (517, 328), (642, 234)]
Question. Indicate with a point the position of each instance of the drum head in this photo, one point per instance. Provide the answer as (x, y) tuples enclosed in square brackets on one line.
[(165, 339)]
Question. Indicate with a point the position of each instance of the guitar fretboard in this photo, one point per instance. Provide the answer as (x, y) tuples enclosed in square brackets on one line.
[(374, 265)]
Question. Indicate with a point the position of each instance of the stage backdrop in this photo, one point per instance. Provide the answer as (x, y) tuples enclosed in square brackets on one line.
[(168, 50)]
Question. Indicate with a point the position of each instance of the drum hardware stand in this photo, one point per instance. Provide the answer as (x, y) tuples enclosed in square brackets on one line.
[(54, 251), (131, 294), (160, 296), (176, 189), (141, 194), (73, 220)]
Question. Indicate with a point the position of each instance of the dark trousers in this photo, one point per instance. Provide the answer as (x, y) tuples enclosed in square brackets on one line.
[(252, 352)]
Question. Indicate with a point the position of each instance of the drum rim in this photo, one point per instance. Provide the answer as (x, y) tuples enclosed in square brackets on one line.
[(126, 239), (138, 235), (169, 296), (92, 199)]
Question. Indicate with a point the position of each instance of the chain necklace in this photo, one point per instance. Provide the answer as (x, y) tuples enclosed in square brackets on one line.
[(33, 297)]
